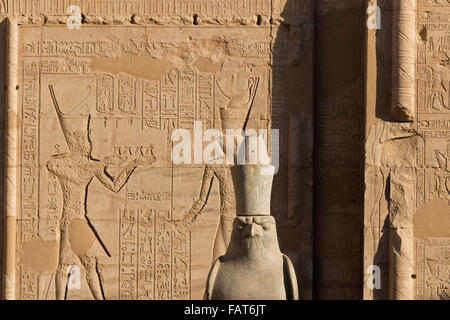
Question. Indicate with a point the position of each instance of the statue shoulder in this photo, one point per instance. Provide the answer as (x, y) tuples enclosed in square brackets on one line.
[(212, 278), (290, 279)]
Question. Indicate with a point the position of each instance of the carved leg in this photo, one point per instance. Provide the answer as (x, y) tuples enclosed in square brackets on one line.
[(93, 277), (61, 281), (227, 228), (221, 241), (219, 246), (222, 237), (402, 264), (65, 261)]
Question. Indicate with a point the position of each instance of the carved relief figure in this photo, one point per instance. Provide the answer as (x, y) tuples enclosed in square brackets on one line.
[(242, 102), (439, 93), (443, 174), (3, 7), (227, 214), (438, 274), (75, 171)]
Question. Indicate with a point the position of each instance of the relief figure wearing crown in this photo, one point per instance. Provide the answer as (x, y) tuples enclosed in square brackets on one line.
[(75, 171)]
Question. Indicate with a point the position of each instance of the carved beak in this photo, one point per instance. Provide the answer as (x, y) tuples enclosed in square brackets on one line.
[(252, 230)]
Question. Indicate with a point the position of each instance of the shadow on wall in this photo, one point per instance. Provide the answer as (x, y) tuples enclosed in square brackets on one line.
[(381, 257), (340, 28), (317, 102), (292, 31), (383, 112), (384, 62)]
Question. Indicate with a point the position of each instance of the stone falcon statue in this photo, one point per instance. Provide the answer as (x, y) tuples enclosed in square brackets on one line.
[(253, 267)]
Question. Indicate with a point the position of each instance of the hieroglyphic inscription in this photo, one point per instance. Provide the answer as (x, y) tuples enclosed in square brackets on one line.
[(154, 260), (432, 255), (48, 220), (188, 94), (55, 48), (127, 94), (64, 66), (30, 150), (148, 196), (433, 99), (29, 289), (151, 106), (205, 103), (169, 100), (433, 15), (101, 48), (432, 269), (105, 94), (159, 7), (175, 101), (181, 265), (163, 257), (128, 255)]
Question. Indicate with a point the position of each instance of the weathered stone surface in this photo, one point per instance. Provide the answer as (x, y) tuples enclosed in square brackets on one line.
[(406, 163), (94, 95)]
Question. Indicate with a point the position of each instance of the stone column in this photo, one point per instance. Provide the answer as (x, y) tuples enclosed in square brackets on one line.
[(9, 274), (403, 60), (401, 238), (401, 264)]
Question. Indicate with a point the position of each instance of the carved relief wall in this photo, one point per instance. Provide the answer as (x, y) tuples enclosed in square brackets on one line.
[(93, 190), (433, 180), (407, 208)]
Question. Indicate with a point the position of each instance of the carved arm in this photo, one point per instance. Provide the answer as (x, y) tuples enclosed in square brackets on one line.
[(115, 184), (197, 208)]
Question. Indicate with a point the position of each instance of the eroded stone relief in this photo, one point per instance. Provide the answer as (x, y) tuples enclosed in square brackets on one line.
[(407, 187), (433, 117), (96, 190), (432, 259), (89, 179)]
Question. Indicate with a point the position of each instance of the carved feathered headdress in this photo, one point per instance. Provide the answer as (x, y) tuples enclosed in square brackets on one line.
[(442, 160), (236, 114)]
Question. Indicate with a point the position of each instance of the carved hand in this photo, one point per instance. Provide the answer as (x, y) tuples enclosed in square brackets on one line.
[(146, 160), (181, 226), (114, 160)]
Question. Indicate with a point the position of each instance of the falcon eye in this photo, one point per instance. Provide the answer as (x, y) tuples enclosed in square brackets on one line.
[(240, 227)]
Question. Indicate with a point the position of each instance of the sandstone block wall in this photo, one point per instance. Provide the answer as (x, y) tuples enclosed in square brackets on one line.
[(95, 89)]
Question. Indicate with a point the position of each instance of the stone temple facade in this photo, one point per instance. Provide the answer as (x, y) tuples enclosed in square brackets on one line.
[(113, 184)]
